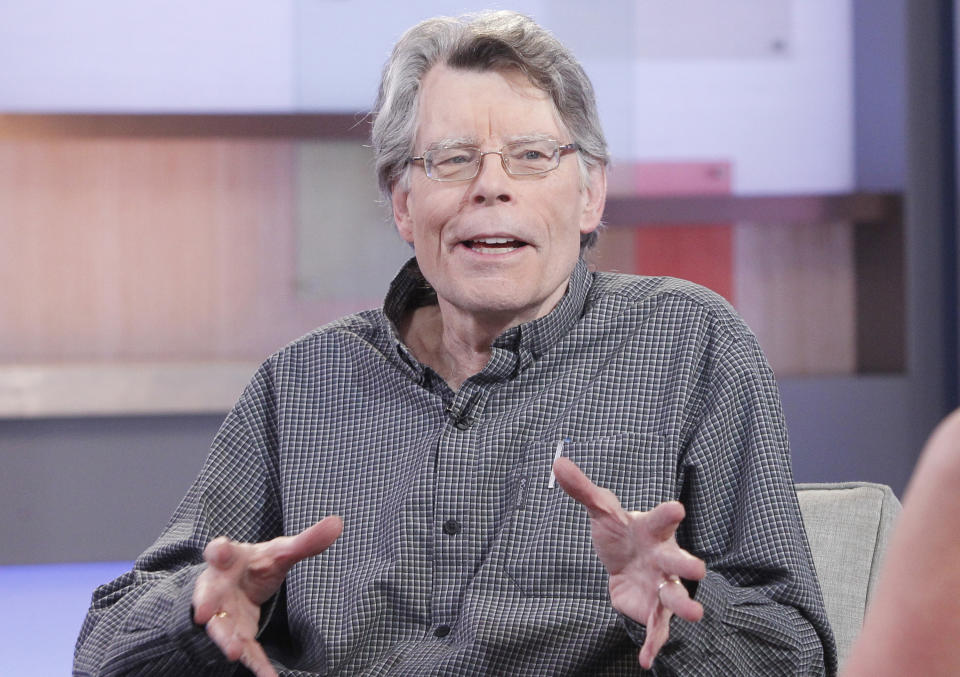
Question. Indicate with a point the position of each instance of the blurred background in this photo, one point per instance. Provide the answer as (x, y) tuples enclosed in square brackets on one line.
[(186, 187)]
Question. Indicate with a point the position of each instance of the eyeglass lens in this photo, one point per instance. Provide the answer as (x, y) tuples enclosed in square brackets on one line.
[(463, 162)]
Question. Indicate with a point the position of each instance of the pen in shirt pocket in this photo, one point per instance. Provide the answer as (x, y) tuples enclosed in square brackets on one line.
[(557, 454)]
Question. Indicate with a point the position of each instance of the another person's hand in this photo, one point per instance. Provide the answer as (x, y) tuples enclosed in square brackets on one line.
[(641, 554), (240, 577)]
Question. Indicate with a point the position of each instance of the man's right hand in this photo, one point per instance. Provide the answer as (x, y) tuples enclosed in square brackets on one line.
[(240, 577)]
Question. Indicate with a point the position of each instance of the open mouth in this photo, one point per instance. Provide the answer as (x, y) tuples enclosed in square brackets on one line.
[(493, 245)]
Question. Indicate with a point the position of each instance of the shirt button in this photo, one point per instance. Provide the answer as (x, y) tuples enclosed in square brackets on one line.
[(442, 630), (451, 527)]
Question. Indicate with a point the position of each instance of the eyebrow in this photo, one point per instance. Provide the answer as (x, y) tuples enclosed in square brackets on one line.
[(526, 138), (454, 142)]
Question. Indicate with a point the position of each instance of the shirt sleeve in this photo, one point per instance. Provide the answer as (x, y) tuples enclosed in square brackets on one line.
[(763, 609), (141, 623)]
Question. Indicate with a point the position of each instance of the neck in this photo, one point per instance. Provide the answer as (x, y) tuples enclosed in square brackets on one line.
[(453, 345), (456, 343)]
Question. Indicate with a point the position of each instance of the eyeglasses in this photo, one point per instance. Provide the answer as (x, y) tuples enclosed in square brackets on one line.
[(462, 163)]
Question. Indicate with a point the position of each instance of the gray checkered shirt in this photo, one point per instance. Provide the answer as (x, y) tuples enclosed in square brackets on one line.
[(457, 556)]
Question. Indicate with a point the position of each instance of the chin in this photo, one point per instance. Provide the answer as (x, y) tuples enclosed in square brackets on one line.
[(488, 298), (495, 306), (511, 309)]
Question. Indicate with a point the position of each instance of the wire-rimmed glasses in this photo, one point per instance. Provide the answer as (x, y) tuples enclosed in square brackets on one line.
[(522, 158)]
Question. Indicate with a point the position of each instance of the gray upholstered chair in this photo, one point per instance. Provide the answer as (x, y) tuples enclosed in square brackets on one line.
[(848, 525)]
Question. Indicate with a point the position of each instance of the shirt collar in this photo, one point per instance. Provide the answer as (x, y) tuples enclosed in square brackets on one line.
[(527, 341)]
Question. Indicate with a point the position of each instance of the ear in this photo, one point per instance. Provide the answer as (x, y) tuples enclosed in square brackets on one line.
[(400, 198), (595, 199)]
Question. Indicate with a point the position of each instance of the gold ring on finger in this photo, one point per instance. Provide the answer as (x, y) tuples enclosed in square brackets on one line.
[(667, 581)]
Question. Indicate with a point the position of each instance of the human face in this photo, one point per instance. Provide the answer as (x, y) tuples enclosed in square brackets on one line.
[(497, 247)]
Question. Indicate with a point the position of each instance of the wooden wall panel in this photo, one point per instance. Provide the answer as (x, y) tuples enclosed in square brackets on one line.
[(794, 283), (154, 252), (152, 249), (795, 287), (701, 253)]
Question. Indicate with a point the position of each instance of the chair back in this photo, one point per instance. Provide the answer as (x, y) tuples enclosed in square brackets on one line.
[(848, 525)]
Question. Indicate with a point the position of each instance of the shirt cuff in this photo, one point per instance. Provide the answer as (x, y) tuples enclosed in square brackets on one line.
[(693, 639), (187, 635)]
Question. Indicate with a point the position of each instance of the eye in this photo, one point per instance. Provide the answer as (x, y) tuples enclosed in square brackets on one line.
[(531, 154), (452, 157)]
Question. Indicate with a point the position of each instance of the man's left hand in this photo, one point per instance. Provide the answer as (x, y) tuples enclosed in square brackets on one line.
[(640, 552)]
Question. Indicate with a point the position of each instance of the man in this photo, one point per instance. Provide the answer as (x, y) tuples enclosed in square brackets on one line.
[(448, 431)]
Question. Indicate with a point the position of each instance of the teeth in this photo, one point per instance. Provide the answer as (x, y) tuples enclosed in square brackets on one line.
[(493, 245), (492, 250)]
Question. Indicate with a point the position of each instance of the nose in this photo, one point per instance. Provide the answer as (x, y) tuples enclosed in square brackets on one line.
[(492, 184)]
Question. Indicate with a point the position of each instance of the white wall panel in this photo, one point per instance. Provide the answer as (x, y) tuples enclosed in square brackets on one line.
[(782, 117), (146, 56), (341, 46), (785, 123)]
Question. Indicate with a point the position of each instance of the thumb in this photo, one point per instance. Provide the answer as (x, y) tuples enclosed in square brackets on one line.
[(308, 543), (664, 519)]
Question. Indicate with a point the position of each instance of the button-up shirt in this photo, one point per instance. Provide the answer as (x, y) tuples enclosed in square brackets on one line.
[(459, 556)]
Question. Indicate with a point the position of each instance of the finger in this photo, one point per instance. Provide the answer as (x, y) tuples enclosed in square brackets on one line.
[(226, 563), (571, 479), (210, 593), (228, 637), (205, 603), (255, 658), (676, 598), (221, 553), (308, 543), (664, 519), (676, 561), (658, 631)]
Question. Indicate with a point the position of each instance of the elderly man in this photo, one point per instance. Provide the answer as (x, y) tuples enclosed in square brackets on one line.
[(400, 492)]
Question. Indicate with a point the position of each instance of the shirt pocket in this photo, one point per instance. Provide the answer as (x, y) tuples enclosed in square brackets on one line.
[(549, 552)]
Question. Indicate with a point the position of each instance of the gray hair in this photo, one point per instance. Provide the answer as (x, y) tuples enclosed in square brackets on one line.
[(496, 40)]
